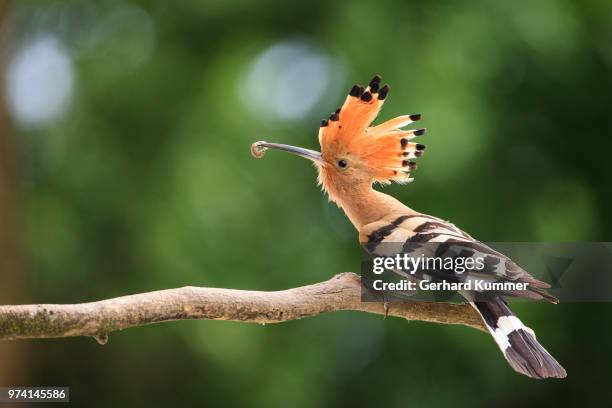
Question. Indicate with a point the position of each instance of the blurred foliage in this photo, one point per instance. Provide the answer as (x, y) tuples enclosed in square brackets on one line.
[(147, 183)]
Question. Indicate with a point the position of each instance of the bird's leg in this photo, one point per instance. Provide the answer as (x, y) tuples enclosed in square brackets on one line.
[(378, 296), (386, 306)]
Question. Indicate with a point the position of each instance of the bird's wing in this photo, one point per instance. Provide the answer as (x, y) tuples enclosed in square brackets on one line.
[(424, 234)]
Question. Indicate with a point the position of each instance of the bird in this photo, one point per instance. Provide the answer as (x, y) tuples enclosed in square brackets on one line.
[(355, 155)]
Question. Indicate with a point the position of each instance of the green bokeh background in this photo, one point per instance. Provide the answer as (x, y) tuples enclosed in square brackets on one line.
[(147, 183)]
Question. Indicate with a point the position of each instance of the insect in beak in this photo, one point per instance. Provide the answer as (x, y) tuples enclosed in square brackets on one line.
[(258, 149)]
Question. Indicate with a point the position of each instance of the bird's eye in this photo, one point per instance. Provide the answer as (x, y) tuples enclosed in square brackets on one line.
[(342, 163)]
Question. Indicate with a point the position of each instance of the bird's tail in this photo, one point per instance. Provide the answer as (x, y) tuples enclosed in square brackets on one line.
[(518, 342)]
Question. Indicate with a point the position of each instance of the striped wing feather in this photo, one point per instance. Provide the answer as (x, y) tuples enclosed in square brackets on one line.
[(405, 233)]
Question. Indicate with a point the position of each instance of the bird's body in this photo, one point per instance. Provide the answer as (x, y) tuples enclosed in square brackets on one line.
[(354, 155)]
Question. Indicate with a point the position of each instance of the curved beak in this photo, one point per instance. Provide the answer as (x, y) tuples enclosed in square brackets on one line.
[(258, 149)]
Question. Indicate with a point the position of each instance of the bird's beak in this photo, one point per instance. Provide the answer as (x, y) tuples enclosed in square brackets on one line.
[(259, 148)]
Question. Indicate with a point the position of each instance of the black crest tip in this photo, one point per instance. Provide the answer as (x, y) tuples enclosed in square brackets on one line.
[(375, 84), (355, 91), (334, 117), (419, 132), (420, 146), (324, 123), (366, 97), (415, 117), (382, 93)]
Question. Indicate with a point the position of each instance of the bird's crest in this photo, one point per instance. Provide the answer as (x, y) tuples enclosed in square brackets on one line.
[(385, 148)]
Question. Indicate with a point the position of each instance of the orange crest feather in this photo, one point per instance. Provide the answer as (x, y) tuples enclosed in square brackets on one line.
[(385, 148)]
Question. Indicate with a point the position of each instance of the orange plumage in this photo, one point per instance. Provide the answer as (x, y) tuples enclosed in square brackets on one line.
[(384, 150)]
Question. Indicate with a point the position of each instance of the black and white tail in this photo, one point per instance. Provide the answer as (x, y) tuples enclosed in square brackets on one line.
[(518, 342)]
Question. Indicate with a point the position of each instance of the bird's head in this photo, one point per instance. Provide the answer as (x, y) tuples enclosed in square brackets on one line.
[(353, 153)]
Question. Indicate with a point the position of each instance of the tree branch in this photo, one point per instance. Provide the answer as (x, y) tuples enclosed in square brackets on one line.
[(98, 319)]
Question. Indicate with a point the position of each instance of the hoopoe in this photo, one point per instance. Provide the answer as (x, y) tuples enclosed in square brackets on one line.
[(355, 155)]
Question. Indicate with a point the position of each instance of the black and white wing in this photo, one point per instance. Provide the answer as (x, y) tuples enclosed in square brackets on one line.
[(434, 237)]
